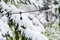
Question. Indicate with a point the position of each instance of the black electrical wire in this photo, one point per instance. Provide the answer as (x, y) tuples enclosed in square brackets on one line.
[(22, 12)]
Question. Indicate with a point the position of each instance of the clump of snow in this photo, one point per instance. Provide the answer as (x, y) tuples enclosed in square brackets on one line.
[(5, 19), (1, 37), (35, 35), (4, 28), (9, 8)]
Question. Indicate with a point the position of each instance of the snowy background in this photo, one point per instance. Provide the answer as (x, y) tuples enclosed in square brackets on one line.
[(29, 19)]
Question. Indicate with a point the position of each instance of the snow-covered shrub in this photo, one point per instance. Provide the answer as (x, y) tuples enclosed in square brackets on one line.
[(13, 22)]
